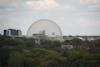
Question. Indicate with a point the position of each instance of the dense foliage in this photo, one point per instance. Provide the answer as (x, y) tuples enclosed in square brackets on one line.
[(23, 52)]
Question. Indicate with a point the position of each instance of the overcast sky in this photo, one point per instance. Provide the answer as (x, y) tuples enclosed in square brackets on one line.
[(75, 17)]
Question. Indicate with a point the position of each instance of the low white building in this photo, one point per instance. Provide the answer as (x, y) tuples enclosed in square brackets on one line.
[(57, 38), (67, 46)]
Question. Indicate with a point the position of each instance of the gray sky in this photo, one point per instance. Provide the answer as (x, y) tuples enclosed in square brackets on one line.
[(75, 17)]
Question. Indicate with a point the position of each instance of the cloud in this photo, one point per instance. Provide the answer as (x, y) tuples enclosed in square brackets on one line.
[(90, 3), (42, 4), (5, 2), (13, 5), (46, 4)]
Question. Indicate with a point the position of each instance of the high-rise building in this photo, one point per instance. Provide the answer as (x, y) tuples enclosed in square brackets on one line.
[(12, 32)]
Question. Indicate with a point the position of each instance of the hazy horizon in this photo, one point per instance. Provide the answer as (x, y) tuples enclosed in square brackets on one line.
[(74, 17)]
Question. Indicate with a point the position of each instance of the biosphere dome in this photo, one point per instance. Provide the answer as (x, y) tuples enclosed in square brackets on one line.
[(50, 28)]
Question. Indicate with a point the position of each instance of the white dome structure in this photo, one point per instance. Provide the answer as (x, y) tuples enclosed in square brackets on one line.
[(45, 26)]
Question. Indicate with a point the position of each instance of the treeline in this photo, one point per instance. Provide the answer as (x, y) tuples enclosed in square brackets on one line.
[(23, 52), (28, 42), (93, 45)]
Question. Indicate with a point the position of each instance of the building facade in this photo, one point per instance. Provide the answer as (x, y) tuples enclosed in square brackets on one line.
[(40, 35), (12, 33)]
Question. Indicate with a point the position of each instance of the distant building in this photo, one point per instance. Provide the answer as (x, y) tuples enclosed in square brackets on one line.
[(12, 33), (69, 37), (40, 35), (57, 38), (81, 38), (67, 46)]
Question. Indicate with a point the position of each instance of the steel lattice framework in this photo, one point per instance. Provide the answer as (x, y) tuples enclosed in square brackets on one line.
[(49, 26)]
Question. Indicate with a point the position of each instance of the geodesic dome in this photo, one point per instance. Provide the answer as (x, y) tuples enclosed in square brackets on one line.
[(50, 28)]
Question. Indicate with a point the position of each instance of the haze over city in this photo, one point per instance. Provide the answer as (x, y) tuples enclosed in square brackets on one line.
[(75, 17)]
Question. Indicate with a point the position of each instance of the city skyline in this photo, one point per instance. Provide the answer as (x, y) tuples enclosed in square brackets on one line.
[(74, 17)]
